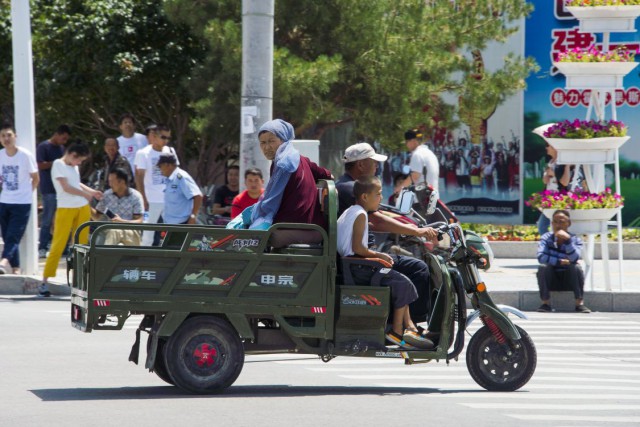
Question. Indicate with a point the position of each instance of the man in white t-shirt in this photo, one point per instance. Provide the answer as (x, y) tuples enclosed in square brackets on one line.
[(19, 176), (130, 141), (73, 198), (422, 160), (149, 180)]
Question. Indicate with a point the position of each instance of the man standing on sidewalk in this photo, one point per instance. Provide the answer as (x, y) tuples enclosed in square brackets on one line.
[(423, 161), (19, 180), (130, 141), (182, 196), (149, 180), (47, 152)]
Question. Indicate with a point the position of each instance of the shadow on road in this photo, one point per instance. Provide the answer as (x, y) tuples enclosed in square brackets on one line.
[(169, 392)]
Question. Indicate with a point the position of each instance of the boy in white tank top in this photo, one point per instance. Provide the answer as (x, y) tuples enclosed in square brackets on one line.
[(353, 230)]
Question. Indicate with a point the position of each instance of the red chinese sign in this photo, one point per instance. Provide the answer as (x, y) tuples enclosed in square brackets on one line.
[(574, 98)]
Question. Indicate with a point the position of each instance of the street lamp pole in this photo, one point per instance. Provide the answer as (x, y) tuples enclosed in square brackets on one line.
[(257, 81), (25, 122)]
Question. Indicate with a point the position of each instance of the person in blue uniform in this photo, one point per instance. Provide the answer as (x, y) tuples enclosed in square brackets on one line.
[(182, 196)]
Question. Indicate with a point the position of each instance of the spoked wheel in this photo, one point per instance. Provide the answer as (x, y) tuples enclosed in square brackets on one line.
[(501, 367), (205, 355), (160, 365)]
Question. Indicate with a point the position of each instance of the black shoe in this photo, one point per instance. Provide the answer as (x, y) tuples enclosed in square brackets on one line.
[(546, 308), (582, 309)]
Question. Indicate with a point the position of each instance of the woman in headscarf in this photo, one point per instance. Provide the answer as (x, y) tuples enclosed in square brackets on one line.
[(291, 194)]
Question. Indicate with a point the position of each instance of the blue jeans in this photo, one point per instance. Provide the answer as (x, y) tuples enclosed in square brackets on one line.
[(543, 224), (49, 205), (13, 222), (418, 273)]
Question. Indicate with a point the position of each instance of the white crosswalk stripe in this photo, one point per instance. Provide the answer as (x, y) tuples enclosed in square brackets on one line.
[(586, 366)]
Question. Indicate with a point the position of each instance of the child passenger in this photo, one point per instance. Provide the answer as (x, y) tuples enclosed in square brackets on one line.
[(353, 230)]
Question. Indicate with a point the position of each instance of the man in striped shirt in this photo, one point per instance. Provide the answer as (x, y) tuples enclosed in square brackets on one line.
[(558, 254)]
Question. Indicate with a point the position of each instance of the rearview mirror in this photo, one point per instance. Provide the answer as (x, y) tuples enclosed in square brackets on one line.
[(405, 201)]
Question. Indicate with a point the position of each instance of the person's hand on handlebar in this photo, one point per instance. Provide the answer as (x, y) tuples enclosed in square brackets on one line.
[(428, 233)]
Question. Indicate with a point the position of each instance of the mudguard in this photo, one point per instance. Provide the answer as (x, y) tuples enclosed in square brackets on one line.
[(504, 308)]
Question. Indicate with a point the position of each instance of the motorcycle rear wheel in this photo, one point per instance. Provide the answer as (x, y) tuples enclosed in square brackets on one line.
[(501, 367)]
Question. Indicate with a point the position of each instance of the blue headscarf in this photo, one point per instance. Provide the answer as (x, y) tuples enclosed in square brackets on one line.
[(286, 162)]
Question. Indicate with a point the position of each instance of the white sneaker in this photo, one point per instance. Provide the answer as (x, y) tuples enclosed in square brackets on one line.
[(42, 253), (43, 290)]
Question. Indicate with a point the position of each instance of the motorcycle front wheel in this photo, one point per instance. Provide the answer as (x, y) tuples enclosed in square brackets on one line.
[(501, 367)]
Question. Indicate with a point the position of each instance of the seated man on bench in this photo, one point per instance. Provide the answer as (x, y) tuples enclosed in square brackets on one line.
[(559, 252), (352, 240), (291, 194)]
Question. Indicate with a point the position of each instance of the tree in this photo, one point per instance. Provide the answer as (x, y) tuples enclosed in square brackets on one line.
[(380, 64), (95, 60)]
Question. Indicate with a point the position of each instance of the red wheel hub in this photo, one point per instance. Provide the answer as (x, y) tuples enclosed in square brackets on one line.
[(205, 355)]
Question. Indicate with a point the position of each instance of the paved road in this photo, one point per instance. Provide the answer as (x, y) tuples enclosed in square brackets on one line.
[(588, 374)]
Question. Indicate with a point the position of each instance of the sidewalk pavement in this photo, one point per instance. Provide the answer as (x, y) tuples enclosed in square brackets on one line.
[(510, 281)]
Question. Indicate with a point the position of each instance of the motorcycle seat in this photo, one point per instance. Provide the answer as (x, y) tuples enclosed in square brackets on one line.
[(379, 267)]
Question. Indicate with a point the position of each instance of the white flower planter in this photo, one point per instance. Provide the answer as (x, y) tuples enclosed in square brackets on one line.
[(587, 221), (595, 75), (583, 151), (606, 19)]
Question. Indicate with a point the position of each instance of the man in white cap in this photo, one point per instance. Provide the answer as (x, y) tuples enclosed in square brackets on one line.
[(361, 160)]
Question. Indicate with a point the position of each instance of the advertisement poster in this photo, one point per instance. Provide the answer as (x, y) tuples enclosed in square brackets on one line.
[(550, 30), (479, 161)]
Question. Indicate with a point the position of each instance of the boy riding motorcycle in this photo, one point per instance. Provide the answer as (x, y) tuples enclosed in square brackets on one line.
[(361, 161)]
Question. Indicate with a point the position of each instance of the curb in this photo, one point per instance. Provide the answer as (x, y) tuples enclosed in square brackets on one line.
[(627, 302), (27, 285), (630, 250)]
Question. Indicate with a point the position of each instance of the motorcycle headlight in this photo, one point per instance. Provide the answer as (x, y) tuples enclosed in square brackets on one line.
[(481, 246), (489, 257)]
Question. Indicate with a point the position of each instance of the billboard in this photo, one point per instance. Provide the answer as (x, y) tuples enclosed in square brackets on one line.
[(480, 160), (550, 30)]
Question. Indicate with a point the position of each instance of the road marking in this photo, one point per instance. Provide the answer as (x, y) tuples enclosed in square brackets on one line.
[(542, 361), (461, 375), (545, 417), (533, 396), (585, 340), (577, 322), (573, 333), (553, 406), (585, 380), (528, 386), (590, 372)]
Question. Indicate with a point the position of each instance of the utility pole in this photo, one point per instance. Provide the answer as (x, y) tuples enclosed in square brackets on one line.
[(257, 81), (25, 121)]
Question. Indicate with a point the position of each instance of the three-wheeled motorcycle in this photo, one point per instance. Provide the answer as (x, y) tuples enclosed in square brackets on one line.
[(208, 296)]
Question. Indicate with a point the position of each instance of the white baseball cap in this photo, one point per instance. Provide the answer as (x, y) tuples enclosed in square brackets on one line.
[(361, 151)]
